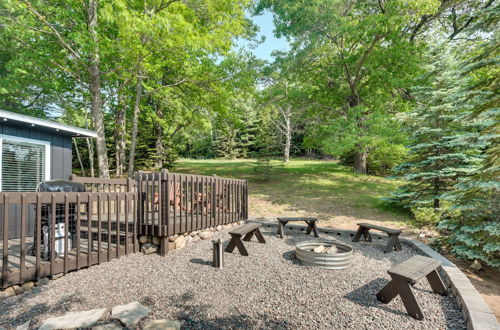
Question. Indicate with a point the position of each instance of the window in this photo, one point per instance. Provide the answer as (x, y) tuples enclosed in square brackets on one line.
[(24, 163)]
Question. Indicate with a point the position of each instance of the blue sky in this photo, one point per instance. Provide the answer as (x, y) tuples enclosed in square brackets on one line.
[(266, 26)]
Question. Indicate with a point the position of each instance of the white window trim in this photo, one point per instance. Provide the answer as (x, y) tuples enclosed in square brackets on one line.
[(47, 145)]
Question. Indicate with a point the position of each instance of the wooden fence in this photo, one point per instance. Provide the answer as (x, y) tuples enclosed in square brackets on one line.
[(61, 232), (71, 231), (173, 203)]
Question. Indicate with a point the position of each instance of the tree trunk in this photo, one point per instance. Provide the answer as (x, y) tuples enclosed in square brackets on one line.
[(79, 157), (135, 125), (360, 160), (160, 148), (95, 92), (120, 136), (288, 141), (90, 145)]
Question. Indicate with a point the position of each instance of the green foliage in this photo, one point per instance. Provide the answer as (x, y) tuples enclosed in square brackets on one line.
[(384, 157), (425, 216)]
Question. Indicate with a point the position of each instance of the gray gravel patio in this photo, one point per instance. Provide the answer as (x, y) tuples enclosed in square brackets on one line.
[(268, 289)]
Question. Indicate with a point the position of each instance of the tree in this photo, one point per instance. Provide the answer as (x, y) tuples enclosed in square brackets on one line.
[(350, 54), (443, 149)]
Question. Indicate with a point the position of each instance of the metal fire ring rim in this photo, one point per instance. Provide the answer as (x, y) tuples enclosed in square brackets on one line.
[(339, 260)]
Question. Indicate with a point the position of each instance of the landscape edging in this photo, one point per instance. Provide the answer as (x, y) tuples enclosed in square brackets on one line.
[(475, 310)]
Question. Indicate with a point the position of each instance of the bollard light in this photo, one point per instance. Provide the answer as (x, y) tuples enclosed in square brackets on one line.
[(218, 253)]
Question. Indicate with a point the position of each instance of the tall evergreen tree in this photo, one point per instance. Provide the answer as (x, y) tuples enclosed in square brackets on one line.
[(444, 148)]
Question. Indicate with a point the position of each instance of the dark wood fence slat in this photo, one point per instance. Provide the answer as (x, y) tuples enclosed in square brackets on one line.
[(78, 229), (38, 235), (52, 232), (66, 237), (22, 259)]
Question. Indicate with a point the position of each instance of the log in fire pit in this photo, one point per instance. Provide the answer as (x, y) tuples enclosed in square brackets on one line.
[(324, 254)]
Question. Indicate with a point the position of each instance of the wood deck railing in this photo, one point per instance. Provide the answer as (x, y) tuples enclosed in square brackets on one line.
[(174, 203), (85, 229), (45, 234)]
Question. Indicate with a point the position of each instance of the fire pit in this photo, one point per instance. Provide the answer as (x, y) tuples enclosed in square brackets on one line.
[(324, 254)]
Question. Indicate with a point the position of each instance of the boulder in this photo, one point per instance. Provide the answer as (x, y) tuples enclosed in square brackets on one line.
[(226, 227), (9, 292), (71, 320), (28, 285), (143, 239), (196, 239), (18, 289), (172, 238), (332, 249), (206, 234), (219, 228), (130, 314), (149, 248), (476, 265), (193, 233), (185, 234), (156, 240), (189, 239), (180, 242), (163, 325)]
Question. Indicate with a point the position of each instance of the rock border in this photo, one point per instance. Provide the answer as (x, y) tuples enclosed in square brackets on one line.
[(477, 313)]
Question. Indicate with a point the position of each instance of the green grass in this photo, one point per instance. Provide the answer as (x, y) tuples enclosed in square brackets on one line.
[(325, 189)]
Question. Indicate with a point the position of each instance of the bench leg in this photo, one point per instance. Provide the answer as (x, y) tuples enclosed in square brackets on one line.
[(408, 298), (388, 292), (281, 228), (248, 236), (259, 236), (358, 234), (392, 243), (309, 227), (236, 242), (366, 235), (436, 283), (315, 229)]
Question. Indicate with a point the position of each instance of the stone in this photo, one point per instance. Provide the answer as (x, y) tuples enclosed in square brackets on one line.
[(185, 234), (206, 234), (24, 326), (476, 265), (28, 285), (189, 239), (196, 239), (149, 248), (225, 227), (42, 281), (8, 292), (143, 239), (180, 242), (156, 240), (319, 249), (163, 325), (55, 277), (219, 228), (193, 233), (130, 314), (331, 250), (172, 238), (18, 289), (106, 326), (71, 320)]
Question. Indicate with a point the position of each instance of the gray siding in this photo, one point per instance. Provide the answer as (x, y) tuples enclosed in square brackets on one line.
[(60, 161), (60, 153)]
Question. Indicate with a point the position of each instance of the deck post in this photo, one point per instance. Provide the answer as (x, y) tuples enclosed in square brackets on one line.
[(164, 246)]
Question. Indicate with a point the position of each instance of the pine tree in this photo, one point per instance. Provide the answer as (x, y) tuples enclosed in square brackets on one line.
[(444, 147), (473, 223)]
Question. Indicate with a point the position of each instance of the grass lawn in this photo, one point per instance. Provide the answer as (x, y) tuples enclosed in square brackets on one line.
[(334, 193)]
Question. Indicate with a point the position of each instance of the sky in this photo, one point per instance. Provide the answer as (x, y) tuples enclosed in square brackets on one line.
[(266, 26)]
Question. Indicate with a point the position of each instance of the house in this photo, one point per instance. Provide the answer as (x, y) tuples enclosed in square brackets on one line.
[(34, 150)]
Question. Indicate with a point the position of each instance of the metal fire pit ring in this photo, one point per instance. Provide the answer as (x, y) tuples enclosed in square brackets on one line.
[(340, 260)]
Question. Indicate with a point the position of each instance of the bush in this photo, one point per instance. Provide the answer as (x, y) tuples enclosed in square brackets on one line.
[(425, 216), (381, 158)]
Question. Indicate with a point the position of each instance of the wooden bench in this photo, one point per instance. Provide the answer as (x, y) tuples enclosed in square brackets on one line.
[(405, 275), (392, 243), (248, 230), (311, 224)]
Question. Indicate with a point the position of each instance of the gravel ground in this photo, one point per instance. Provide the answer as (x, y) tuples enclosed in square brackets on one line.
[(268, 289)]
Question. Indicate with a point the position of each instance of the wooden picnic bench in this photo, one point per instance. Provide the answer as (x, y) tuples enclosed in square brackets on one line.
[(405, 275), (392, 243), (248, 230), (311, 224)]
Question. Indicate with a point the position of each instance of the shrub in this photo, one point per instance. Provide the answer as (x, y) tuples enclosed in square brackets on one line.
[(425, 216)]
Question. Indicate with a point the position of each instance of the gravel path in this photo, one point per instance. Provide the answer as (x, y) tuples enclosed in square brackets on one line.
[(268, 289)]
